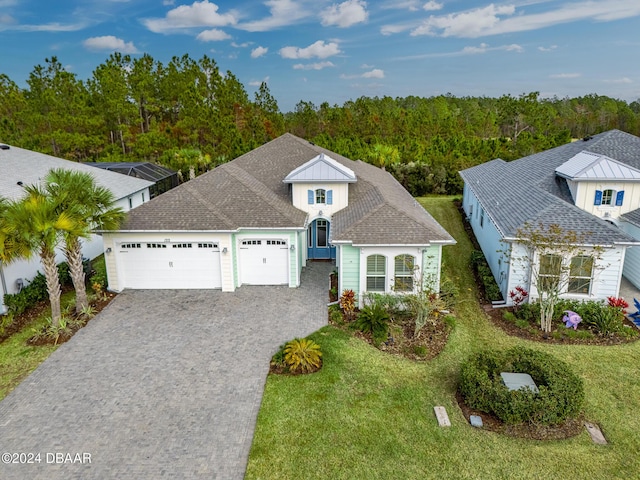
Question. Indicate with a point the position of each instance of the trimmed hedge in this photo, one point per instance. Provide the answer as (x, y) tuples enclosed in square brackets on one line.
[(35, 291), (481, 267), (560, 396)]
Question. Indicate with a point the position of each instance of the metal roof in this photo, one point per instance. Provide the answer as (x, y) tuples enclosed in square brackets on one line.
[(321, 168), (592, 166)]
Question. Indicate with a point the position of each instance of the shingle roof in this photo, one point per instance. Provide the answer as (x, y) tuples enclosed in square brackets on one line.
[(321, 168), (249, 192), (528, 189), (28, 167)]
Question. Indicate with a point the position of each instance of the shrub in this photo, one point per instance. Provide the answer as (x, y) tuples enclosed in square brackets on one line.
[(605, 321), (302, 355), (560, 396), (348, 303), (335, 315), (99, 274), (509, 317), (481, 267), (374, 319), (448, 292), (392, 303)]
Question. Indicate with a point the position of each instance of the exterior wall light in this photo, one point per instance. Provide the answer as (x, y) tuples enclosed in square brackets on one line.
[(293, 248), (224, 250), (108, 250)]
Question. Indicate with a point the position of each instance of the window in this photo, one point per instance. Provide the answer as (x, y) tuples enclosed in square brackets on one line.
[(321, 195), (470, 210), (549, 274), (156, 245), (482, 217), (607, 197), (321, 233), (580, 274), (404, 268), (130, 245), (207, 245), (130, 203), (181, 245), (376, 273)]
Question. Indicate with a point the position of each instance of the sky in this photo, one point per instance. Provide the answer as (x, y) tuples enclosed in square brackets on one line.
[(334, 51)]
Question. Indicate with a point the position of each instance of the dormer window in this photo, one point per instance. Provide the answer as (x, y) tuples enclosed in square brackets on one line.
[(609, 197), (321, 195)]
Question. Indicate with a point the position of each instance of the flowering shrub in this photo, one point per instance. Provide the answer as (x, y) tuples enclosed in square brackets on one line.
[(348, 303), (518, 296), (620, 303)]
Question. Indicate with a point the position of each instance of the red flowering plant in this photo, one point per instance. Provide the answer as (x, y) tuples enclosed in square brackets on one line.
[(618, 302), (518, 296)]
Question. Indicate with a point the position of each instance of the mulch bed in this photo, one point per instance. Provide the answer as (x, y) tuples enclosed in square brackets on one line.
[(537, 335), (568, 429), (26, 318), (427, 345)]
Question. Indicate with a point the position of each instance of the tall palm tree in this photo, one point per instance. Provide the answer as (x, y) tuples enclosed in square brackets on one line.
[(384, 155), (34, 224), (92, 207)]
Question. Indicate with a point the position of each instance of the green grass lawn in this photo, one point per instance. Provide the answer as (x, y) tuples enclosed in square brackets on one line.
[(17, 359), (367, 415)]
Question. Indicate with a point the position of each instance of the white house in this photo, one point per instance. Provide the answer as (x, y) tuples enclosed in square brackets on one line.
[(258, 219), (21, 167), (591, 187)]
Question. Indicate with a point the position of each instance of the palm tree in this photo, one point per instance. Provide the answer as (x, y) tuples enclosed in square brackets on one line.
[(92, 207), (34, 224), (384, 155)]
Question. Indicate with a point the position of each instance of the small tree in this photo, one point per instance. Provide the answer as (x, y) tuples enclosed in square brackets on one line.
[(559, 261)]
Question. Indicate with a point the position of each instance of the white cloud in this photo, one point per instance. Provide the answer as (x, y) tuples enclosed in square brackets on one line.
[(375, 73), (166, 3), (257, 83), (313, 66), (213, 35), (482, 48), (391, 29), (566, 75), (283, 13), (109, 43), (345, 14), (366, 66), (198, 14), (412, 5), (619, 80), (259, 52), (472, 23), (240, 45), (431, 5), (547, 49), (499, 19), (318, 49), (468, 50), (514, 47)]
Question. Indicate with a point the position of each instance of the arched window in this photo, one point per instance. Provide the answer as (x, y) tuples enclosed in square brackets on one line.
[(404, 269), (376, 273)]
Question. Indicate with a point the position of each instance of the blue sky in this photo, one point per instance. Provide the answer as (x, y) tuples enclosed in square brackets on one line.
[(317, 50)]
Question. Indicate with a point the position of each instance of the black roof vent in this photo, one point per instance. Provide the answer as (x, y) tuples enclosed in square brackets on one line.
[(587, 138), (19, 183), (4, 146)]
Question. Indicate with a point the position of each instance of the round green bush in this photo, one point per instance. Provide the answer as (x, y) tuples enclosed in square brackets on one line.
[(560, 396)]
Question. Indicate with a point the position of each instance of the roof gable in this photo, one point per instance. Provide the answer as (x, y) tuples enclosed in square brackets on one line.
[(321, 168), (592, 166)]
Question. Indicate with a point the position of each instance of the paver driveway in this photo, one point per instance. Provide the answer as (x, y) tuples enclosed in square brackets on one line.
[(161, 384)]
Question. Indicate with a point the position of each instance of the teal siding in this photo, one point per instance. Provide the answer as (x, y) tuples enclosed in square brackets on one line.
[(349, 273), (294, 278), (431, 260), (632, 258)]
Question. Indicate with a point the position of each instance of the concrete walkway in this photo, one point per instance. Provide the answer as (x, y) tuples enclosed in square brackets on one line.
[(162, 384)]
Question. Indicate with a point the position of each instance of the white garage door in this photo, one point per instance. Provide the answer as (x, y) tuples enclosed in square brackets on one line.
[(264, 262), (170, 265)]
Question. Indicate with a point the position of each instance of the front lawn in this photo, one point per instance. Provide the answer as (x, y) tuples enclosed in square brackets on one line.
[(369, 415)]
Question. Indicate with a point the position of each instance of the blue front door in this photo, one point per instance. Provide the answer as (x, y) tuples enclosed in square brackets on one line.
[(318, 240)]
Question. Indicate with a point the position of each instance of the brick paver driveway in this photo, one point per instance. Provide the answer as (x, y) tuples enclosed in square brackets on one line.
[(161, 384)]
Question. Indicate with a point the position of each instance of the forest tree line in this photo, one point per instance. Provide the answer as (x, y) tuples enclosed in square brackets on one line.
[(188, 115)]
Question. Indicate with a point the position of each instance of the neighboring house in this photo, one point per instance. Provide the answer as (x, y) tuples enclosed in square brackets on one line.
[(590, 186), (163, 178), (21, 167), (257, 220)]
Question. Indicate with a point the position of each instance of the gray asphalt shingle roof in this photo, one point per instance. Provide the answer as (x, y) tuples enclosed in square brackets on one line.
[(28, 167), (249, 192), (528, 189)]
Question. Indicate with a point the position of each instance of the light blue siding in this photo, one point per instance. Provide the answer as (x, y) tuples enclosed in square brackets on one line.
[(632, 258), (431, 264), (349, 274)]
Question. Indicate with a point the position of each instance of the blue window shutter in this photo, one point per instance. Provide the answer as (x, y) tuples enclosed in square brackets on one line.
[(329, 197), (619, 198), (598, 199), (310, 197)]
